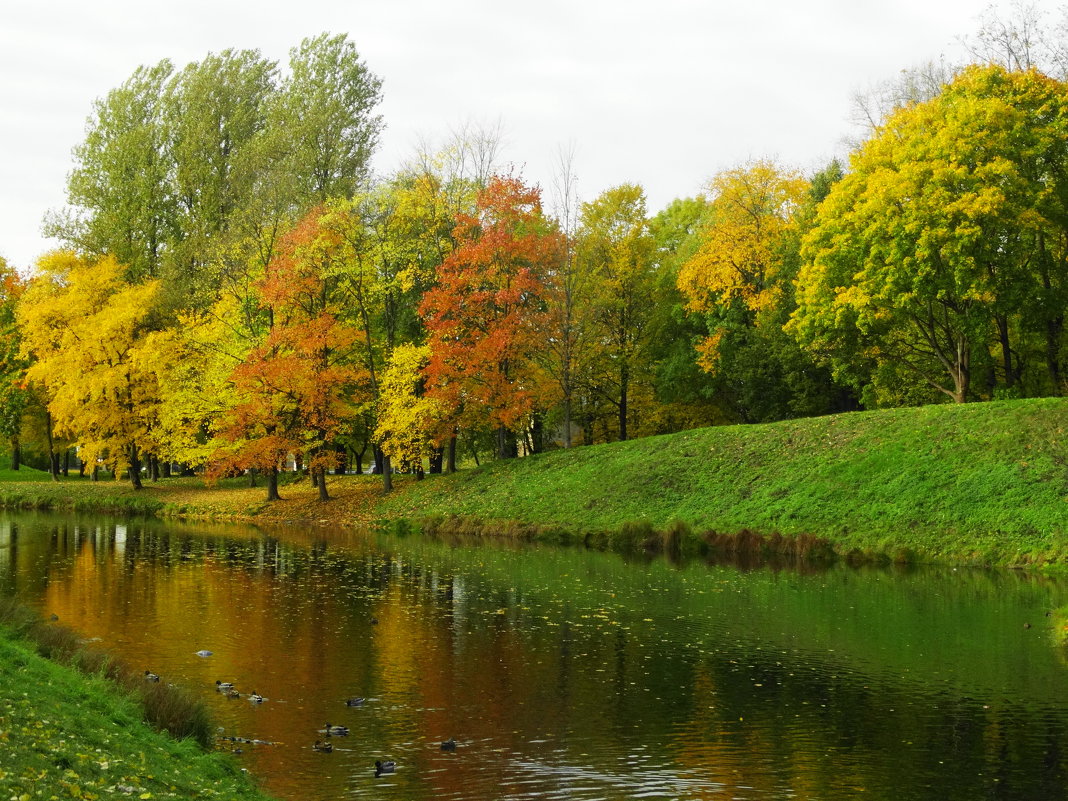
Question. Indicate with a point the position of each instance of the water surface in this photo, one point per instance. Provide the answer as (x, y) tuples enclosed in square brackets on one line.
[(565, 674)]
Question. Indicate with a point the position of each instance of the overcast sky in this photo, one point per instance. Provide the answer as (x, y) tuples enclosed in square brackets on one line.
[(663, 93)]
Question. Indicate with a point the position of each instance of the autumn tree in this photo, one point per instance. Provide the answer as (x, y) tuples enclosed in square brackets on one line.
[(946, 237), (84, 327), (13, 365), (291, 389), (408, 419), (485, 314)]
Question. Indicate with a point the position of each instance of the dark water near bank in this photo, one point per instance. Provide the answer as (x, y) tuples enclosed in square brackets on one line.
[(571, 675)]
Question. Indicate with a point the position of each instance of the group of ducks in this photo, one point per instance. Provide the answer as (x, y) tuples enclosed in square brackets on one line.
[(228, 689)]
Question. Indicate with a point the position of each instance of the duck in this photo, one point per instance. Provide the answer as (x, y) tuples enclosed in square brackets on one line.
[(223, 685), (255, 697), (354, 701), (340, 731), (448, 745), (389, 766), (150, 676), (231, 693), (321, 747)]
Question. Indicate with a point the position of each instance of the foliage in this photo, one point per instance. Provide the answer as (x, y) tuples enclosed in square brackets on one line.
[(407, 417), (929, 251), (484, 314), (290, 388), (84, 328)]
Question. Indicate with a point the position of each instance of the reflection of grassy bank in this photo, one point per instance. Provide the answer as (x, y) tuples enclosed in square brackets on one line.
[(66, 733)]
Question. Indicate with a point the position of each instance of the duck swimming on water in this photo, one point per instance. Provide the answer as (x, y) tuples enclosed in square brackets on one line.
[(340, 731), (149, 676), (389, 766), (321, 747)]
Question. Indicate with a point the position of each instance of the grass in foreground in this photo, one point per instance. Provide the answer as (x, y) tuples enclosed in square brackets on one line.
[(65, 734)]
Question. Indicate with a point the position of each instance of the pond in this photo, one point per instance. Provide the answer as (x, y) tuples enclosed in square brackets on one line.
[(562, 673)]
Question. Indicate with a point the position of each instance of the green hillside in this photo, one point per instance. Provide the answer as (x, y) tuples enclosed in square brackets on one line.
[(978, 483)]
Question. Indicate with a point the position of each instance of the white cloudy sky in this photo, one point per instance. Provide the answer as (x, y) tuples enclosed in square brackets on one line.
[(661, 92)]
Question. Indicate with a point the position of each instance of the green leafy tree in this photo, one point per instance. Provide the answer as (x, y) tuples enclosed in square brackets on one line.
[(948, 228)]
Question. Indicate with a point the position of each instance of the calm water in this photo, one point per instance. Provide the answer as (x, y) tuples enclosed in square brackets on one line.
[(570, 675)]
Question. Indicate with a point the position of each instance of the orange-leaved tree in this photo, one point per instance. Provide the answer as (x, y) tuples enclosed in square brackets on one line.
[(485, 316), (292, 387)]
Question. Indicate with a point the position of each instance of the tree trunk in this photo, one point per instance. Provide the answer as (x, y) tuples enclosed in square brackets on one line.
[(153, 467), (341, 467), (51, 447), (359, 462), (1006, 351), (451, 460), (624, 382), (66, 463), (379, 457), (96, 472), (436, 458), (16, 453), (252, 477), (135, 467), (81, 467), (272, 485), (387, 473), (537, 433), (1054, 332), (323, 495)]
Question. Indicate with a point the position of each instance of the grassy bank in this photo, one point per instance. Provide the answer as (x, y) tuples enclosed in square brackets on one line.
[(979, 483), (983, 483), (65, 733)]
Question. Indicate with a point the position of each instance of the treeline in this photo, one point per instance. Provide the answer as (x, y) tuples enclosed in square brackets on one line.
[(240, 292)]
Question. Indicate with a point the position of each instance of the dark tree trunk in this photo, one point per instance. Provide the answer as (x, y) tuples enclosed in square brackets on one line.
[(16, 453), (96, 472), (1006, 350), (272, 485), (153, 467), (624, 381), (323, 495), (436, 458), (81, 468), (537, 433), (166, 468), (298, 463), (66, 463), (135, 467), (451, 459), (507, 447), (387, 473), (252, 476), (358, 456), (51, 447), (1054, 333), (379, 459), (342, 460)]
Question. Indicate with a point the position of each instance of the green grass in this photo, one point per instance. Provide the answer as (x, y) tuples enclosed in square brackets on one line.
[(65, 734), (980, 483)]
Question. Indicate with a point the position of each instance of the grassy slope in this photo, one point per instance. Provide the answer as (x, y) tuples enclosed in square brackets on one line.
[(980, 482), (66, 735)]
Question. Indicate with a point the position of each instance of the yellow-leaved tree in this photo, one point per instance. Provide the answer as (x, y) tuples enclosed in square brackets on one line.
[(407, 420), (84, 326), (747, 254)]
